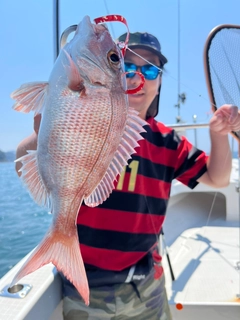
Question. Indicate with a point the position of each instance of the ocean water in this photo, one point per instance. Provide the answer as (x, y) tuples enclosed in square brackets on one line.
[(22, 222)]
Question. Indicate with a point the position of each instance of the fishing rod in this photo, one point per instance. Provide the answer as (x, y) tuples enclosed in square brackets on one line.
[(56, 28), (167, 255)]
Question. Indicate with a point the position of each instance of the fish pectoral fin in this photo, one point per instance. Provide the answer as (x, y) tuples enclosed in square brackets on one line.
[(75, 81), (30, 97), (101, 192), (32, 179), (63, 251), (131, 134)]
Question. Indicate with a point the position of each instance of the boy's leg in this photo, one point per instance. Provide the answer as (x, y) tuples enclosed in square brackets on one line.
[(146, 299), (102, 305), (148, 302)]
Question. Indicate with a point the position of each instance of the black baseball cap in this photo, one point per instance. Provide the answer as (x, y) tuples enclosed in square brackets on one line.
[(149, 42)]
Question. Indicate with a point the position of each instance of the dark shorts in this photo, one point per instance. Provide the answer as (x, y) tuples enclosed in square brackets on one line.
[(138, 300)]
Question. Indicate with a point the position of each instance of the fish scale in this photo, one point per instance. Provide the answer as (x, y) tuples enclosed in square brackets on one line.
[(87, 134)]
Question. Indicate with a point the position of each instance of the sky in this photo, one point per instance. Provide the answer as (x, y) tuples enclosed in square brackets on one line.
[(27, 54)]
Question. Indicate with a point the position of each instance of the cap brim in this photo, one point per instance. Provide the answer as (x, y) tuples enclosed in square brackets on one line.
[(162, 58)]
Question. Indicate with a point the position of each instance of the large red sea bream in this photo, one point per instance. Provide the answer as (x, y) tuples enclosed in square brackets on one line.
[(87, 134)]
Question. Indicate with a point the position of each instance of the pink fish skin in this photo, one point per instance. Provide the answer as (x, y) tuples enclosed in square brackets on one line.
[(87, 134)]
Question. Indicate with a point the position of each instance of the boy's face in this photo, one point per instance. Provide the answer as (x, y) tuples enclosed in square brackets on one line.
[(141, 100)]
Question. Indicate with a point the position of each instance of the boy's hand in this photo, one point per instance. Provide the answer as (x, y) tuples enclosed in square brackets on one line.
[(225, 120)]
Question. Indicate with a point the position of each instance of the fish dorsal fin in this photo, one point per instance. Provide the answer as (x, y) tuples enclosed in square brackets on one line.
[(32, 179), (30, 97), (128, 142)]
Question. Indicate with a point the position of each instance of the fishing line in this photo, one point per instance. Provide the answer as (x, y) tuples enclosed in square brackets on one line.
[(111, 26), (215, 194), (154, 227), (209, 112), (200, 245), (167, 74), (144, 59), (170, 76), (210, 211)]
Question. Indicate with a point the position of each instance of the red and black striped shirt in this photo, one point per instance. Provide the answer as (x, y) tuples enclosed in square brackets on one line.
[(119, 232)]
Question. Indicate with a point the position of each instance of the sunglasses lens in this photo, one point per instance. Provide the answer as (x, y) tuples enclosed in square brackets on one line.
[(150, 72), (131, 68)]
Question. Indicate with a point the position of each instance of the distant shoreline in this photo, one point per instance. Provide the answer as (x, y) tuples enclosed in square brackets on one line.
[(8, 156)]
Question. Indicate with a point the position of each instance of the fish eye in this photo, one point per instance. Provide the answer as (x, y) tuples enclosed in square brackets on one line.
[(113, 57)]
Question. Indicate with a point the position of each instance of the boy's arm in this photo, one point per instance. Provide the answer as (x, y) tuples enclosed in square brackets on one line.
[(29, 143), (224, 120)]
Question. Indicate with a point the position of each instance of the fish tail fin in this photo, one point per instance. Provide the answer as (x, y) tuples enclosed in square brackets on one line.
[(64, 252)]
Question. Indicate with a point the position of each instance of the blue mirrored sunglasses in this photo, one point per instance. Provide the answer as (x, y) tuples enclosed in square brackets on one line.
[(149, 71)]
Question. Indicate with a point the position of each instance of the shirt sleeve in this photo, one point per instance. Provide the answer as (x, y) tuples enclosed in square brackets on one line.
[(190, 164)]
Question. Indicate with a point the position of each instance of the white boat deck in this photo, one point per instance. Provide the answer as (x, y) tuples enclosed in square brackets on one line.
[(41, 301), (203, 243)]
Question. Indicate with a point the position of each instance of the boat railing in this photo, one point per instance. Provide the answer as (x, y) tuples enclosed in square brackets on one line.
[(189, 126), (186, 126)]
